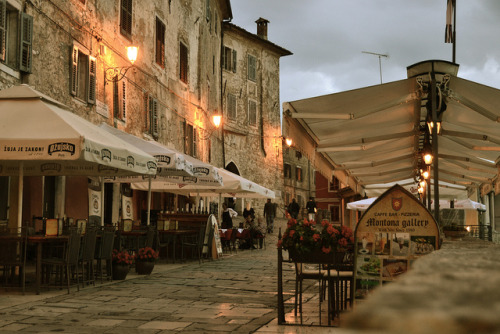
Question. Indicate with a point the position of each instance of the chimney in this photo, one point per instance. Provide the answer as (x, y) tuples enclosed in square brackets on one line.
[(262, 28)]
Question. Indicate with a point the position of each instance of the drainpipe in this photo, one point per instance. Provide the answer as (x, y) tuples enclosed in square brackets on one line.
[(222, 93)]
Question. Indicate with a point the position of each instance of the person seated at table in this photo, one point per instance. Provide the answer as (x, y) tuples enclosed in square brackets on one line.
[(255, 230), (227, 216), (248, 212)]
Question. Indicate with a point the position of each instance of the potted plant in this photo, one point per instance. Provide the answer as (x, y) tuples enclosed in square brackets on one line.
[(454, 231), (145, 260), (121, 264), (307, 241)]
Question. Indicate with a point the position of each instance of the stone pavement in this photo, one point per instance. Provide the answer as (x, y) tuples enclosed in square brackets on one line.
[(235, 294)]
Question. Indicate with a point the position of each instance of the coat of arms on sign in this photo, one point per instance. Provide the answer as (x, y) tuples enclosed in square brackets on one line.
[(397, 203)]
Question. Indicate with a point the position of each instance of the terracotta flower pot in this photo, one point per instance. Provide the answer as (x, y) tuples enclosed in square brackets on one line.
[(144, 267), (120, 271)]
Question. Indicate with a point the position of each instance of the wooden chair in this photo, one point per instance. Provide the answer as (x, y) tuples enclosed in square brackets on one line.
[(104, 252), (163, 243), (304, 273), (193, 242), (86, 260), (13, 255), (54, 266)]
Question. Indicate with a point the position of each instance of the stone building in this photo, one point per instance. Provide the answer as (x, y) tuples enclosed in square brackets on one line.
[(251, 133), (75, 51), (299, 179)]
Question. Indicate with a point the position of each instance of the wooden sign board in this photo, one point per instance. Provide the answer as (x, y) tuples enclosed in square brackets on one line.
[(395, 230)]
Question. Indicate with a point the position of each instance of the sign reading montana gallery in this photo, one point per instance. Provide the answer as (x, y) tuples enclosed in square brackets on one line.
[(394, 231)]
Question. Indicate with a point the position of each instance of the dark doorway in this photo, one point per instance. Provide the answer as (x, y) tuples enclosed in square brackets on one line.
[(4, 197), (108, 204), (49, 196)]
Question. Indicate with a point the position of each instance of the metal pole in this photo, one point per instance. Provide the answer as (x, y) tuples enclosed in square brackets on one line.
[(454, 30), (435, 152), (281, 305), (380, 67)]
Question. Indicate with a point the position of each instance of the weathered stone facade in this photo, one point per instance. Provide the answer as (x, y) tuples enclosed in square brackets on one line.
[(299, 178), (173, 88), (250, 90)]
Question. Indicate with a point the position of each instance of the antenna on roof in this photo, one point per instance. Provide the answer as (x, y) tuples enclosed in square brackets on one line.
[(380, 55)]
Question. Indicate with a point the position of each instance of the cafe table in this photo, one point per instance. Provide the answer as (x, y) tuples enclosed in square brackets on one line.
[(175, 234), (38, 240)]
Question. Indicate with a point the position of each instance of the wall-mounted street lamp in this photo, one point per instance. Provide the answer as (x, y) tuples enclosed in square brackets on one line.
[(288, 141), (427, 153), (114, 74), (217, 120)]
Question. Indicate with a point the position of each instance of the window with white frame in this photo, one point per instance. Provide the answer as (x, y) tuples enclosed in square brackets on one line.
[(252, 68), (229, 58), (335, 212), (231, 106), (252, 113), (183, 62), (160, 43), (83, 75), (126, 18), (151, 115), (16, 37)]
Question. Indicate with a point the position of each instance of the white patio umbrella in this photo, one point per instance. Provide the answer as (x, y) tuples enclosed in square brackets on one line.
[(40, 136), (232, 186), (362, 205)]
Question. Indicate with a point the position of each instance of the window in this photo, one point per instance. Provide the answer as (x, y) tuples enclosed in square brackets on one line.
[(151, 115), (16, 34), (231, 106), (190, 137), (216, 23), (252, 112), (126, 18), (252, 68), (160, 43), (183, 61), (335, 212), (207, 10), (334, 184), (298, 174), (119, 99), (83, 76), (229, 59), (287, 169)]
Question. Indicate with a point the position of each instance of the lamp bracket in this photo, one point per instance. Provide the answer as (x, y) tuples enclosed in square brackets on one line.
[(116, 73)]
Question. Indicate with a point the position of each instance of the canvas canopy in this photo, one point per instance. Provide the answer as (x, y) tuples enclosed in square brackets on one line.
[(169, 161), (233, 186), (370, 138), (466, 204), (48, 139)]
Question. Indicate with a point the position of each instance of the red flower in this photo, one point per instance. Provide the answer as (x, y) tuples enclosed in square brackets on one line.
[(326, 250), (292, 232), (280, 242), (316, 237)]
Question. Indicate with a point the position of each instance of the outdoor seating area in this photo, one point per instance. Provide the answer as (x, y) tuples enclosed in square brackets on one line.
[(77, 255)]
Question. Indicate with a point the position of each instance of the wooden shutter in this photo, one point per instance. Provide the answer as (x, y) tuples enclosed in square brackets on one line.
[(92, 80), (74, 71), (153, 106), (234, 61), (252, 68), (145, 105), (195, 141), (124, 100), (208, 13), (26, 43), (3, 29), (224, 60), (116, 102), (126, 17)]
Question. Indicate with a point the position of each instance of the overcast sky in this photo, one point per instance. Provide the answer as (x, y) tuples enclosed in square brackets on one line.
[(327, 38)]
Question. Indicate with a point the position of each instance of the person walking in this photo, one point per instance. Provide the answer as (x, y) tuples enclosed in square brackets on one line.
[(294, 209), (269, 214), (311, 208)]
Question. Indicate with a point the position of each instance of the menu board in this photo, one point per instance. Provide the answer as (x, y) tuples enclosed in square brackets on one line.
[(395, 230)]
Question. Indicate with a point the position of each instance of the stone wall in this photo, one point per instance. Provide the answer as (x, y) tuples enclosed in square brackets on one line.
[(453, 290)]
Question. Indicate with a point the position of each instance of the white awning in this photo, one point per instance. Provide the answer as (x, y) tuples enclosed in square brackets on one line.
[(233, 186), (370, 137), (48, 139)]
